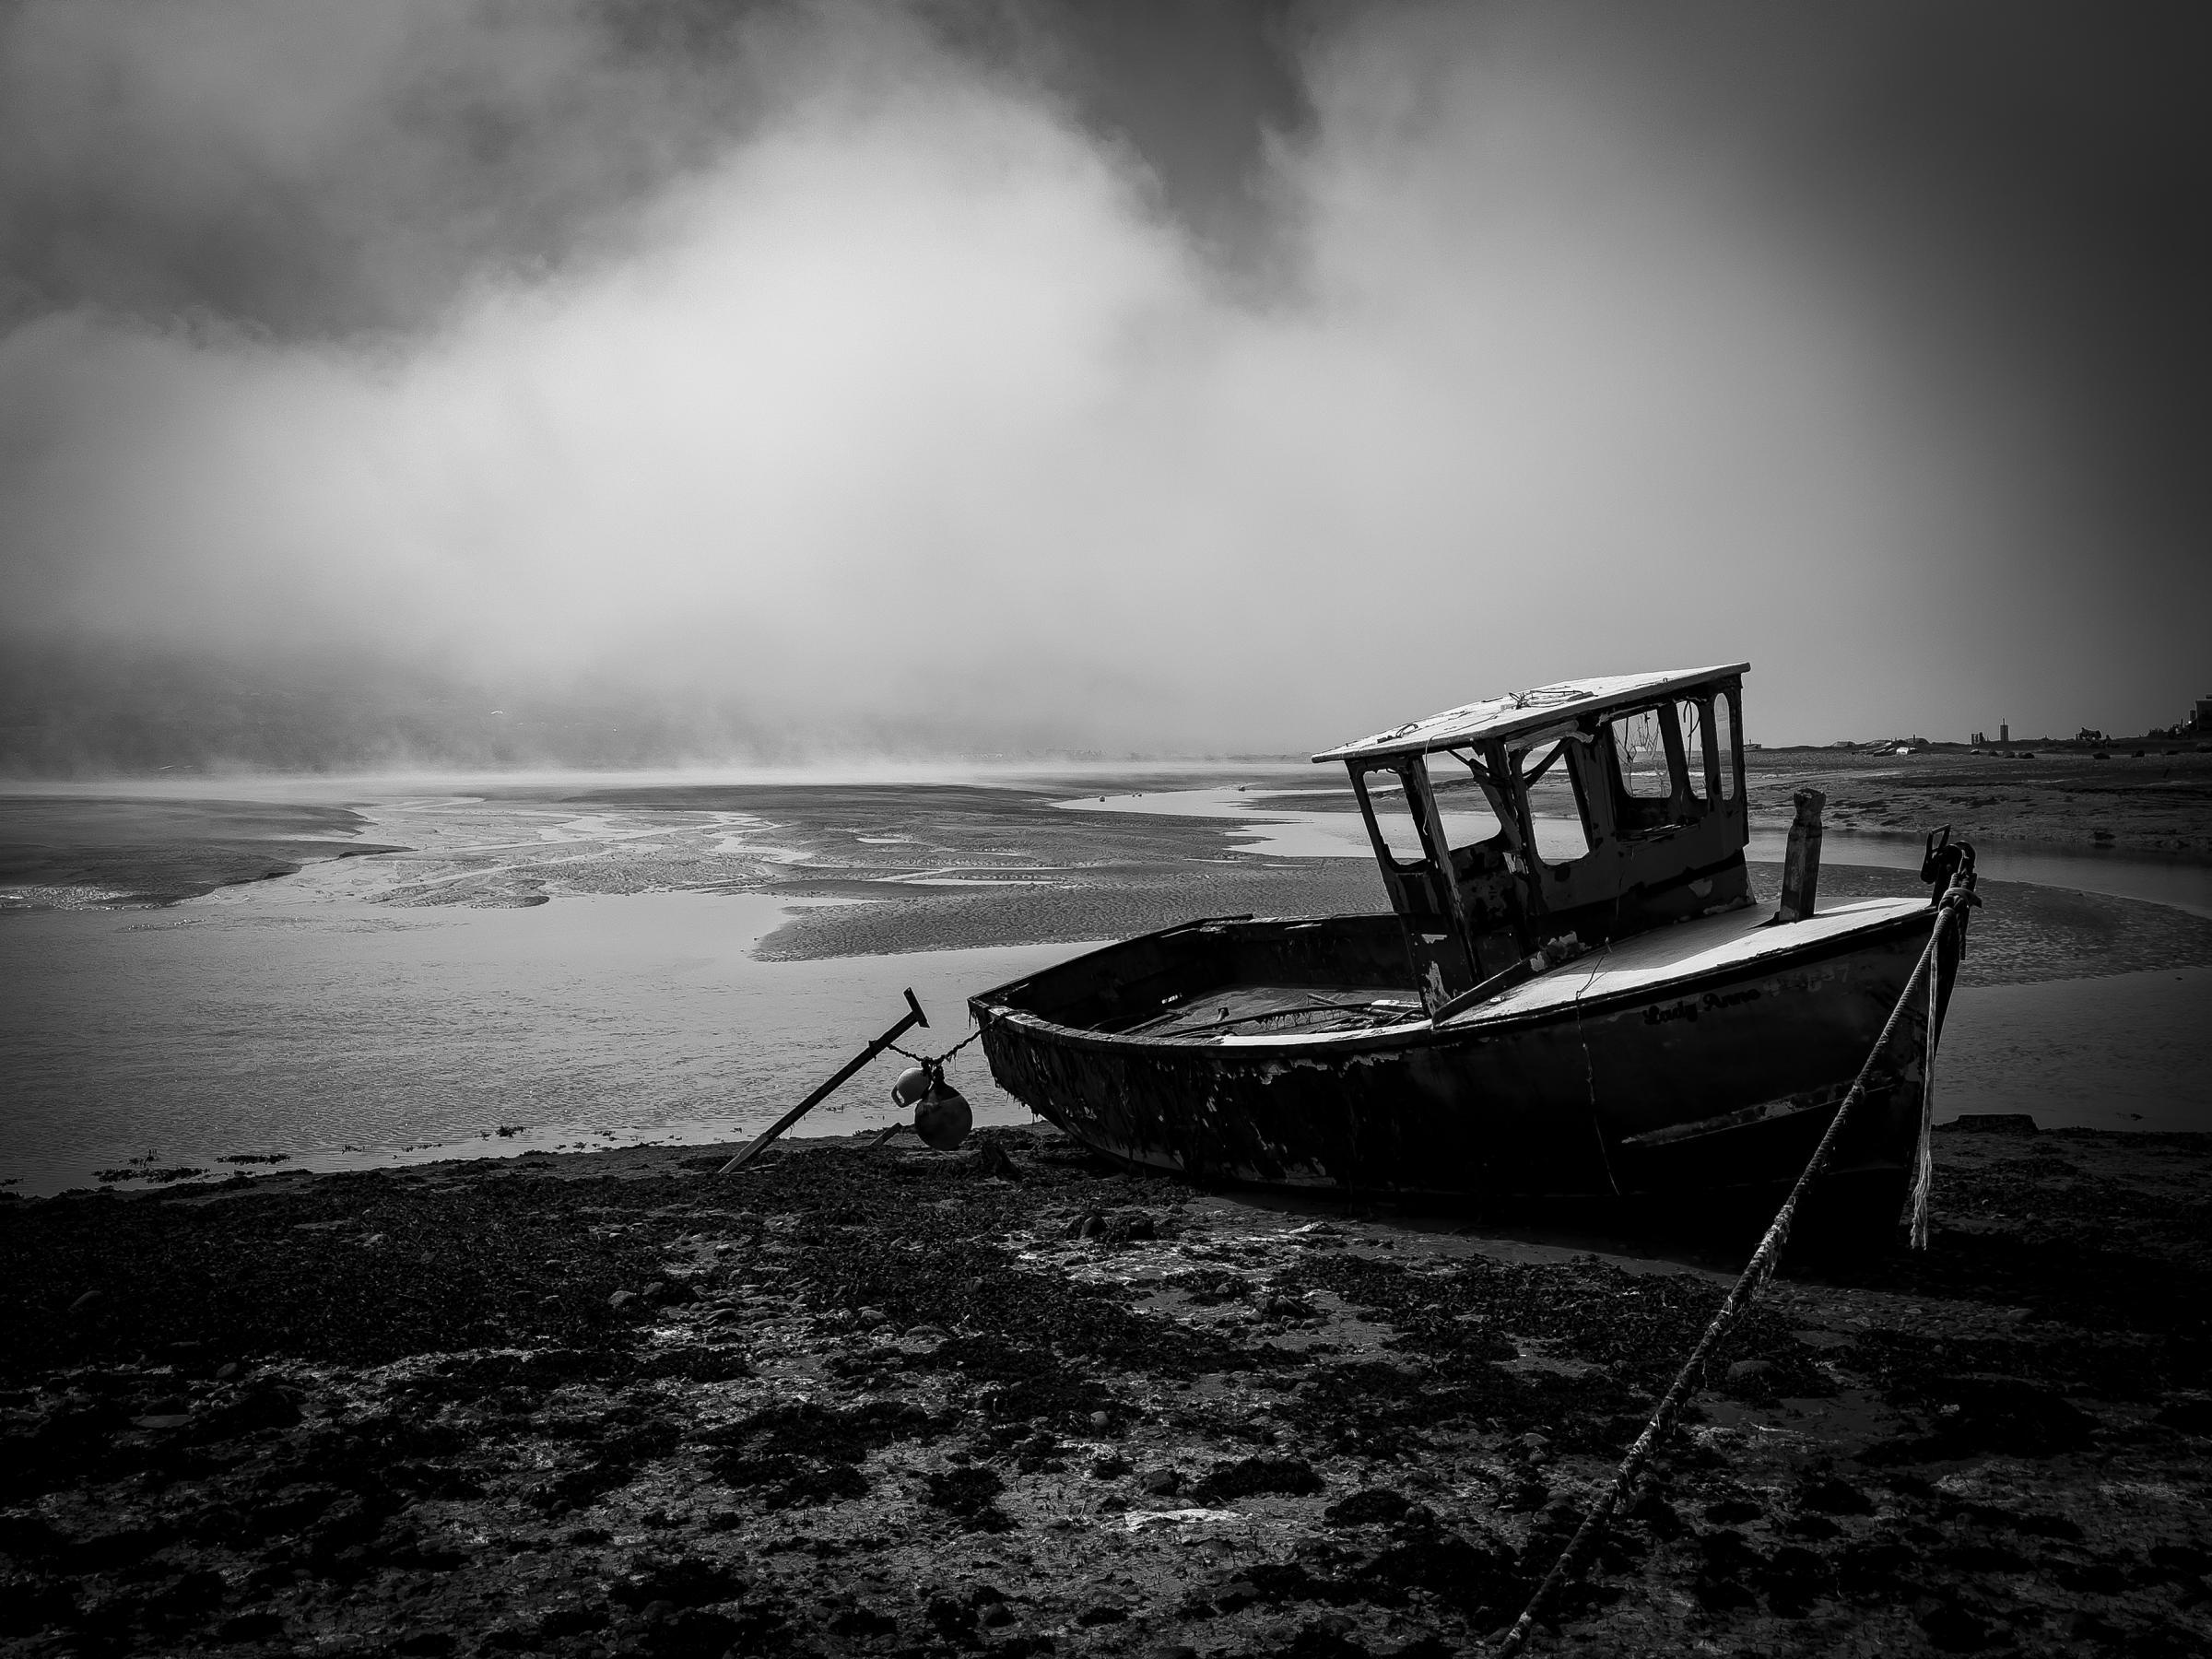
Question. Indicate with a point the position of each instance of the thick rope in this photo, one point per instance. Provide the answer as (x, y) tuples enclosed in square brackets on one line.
[(1732, 1308), (1924, 1158)]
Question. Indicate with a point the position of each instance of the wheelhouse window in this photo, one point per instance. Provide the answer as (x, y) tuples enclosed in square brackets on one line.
[(1462, 808), (1461, 801), (1726, 747), (1640, 756), (1653, 768), (1385, 792), (1689, 715), (1555, 811)]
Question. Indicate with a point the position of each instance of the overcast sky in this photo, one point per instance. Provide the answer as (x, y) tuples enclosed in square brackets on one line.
[(1170, 377)]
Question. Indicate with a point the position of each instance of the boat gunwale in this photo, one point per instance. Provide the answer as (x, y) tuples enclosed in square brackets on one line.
[(1417, 1033)]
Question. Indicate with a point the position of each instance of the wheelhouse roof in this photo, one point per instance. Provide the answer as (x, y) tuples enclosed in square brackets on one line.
[(1519, 713)]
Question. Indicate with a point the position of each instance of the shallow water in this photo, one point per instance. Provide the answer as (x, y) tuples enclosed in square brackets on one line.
[(579, 970), (346, 1033)]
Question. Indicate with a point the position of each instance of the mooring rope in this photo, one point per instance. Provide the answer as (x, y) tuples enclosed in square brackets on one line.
[(1924, 1154), (1740, 1297)]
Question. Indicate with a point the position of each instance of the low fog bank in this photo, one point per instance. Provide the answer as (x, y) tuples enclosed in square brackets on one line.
[(721, 384), (83, 711)]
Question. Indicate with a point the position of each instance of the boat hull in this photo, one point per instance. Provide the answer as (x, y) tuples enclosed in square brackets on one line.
[(1715, 1073)]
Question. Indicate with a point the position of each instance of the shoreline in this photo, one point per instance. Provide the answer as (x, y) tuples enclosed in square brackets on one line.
[(92, 847), (803, 987), (1011, 1400)]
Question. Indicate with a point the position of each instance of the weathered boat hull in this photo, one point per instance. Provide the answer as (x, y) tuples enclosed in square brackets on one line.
[(1720, 1077)]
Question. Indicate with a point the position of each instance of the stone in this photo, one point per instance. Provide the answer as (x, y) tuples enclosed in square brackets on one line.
[(623, 1301), (1367, 1507)]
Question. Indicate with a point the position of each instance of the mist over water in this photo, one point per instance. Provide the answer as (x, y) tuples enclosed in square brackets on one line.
[(407, 385)]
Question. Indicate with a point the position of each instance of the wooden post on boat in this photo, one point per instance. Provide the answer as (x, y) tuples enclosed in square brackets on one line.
[(914, 1016), (1801, 864)]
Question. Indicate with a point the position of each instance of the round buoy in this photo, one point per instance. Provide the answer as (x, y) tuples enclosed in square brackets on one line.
[(913, 1083), (942, 1118)]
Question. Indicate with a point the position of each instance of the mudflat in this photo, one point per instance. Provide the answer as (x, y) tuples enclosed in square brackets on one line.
[(2127, 799), (152, 851), (1011, 1401)]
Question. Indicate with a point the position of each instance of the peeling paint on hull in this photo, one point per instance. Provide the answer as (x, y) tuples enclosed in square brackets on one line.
[(1718, 1080)]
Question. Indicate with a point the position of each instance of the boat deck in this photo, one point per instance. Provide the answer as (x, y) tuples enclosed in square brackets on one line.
[(1275, 984), (1647, 964), (1651, 962), (1224, 1011)]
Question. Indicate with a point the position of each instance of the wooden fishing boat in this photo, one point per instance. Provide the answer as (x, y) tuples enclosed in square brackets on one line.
[(1586, 1006)]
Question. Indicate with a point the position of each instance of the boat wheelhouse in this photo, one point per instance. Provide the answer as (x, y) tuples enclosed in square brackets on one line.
[(1655, 766), (1574, 992)]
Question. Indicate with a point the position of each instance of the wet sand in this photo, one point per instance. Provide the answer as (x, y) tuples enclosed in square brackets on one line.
[(1009, 1401), (78, 850), (2023, 932), (2067, 797)]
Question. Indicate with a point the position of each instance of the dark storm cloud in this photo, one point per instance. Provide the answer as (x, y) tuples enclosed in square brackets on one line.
[(312, 169), (307, 169), (1147, 375)]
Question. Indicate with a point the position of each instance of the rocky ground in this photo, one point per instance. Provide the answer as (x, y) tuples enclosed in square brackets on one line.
[(1009, 1401)]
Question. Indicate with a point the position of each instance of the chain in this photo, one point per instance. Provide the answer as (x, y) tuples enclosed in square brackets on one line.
[(937, 1064)]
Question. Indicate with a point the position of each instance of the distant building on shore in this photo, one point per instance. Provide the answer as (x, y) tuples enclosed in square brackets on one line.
[(2200, 717)]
